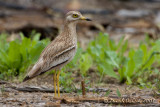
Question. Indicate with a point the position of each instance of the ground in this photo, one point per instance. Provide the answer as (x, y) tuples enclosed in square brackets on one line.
[(40, 93)]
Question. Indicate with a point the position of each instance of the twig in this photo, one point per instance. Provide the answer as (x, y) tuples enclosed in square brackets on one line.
[(50, 90), (108, 100), (83, 88), (4, 82)]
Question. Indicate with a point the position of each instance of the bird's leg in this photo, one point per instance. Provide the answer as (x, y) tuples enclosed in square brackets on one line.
[(55, 81), (58, 74)]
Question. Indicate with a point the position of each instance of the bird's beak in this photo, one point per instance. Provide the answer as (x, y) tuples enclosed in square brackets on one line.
[(87, 19)]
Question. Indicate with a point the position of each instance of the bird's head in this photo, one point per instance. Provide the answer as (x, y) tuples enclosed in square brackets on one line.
[(75, 16)]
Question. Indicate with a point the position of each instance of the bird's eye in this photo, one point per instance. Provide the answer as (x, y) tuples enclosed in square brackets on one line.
[(74, 15)]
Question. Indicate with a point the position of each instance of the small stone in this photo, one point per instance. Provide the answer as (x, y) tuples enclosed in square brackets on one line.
[(87, 104)]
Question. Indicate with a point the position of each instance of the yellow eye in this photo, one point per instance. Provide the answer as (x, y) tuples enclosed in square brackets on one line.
[(75, 15)]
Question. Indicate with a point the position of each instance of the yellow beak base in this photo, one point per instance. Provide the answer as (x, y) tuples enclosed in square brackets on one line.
[(83, 18)]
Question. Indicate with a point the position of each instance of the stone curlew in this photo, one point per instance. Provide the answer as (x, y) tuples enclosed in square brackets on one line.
[(60, 51)]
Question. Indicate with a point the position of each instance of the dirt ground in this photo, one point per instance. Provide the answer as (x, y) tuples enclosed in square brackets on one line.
[(39, 92), (131, 19), (12, 97)]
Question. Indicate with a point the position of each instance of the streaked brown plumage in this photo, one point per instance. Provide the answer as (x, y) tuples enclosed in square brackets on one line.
[(60, 51)]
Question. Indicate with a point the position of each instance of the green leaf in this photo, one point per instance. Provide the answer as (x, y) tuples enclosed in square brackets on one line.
[(131, 53), (130, 67), (112, 45), (107, 93), (120, 43), (85, 63), (106, 68), (129, 80), (144, 49), (3, 57), (36, 37), (3, 43), (124, 48), (14, 55), (138, 58), (149, 62), (118, 93), (121, 72), (112, 58)]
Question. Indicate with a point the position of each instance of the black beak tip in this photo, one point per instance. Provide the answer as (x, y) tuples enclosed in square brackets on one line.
[(88, 19)]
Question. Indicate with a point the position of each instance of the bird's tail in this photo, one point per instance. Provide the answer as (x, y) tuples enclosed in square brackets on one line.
[(32, 73), (26, 78)]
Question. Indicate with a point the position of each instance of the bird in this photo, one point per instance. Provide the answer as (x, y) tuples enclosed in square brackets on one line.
[(59, 52)]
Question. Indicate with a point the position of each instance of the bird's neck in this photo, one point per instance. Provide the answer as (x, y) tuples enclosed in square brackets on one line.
[(69, 30), (71, 27)]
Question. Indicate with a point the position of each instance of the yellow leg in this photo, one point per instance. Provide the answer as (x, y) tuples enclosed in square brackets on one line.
[(55, 81), (58, 74)]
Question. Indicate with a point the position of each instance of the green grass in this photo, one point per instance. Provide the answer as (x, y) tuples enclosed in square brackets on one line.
[(139, 66)]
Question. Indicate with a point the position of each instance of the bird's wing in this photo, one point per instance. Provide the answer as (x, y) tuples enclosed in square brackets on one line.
[(56, 53), (62, 55)]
